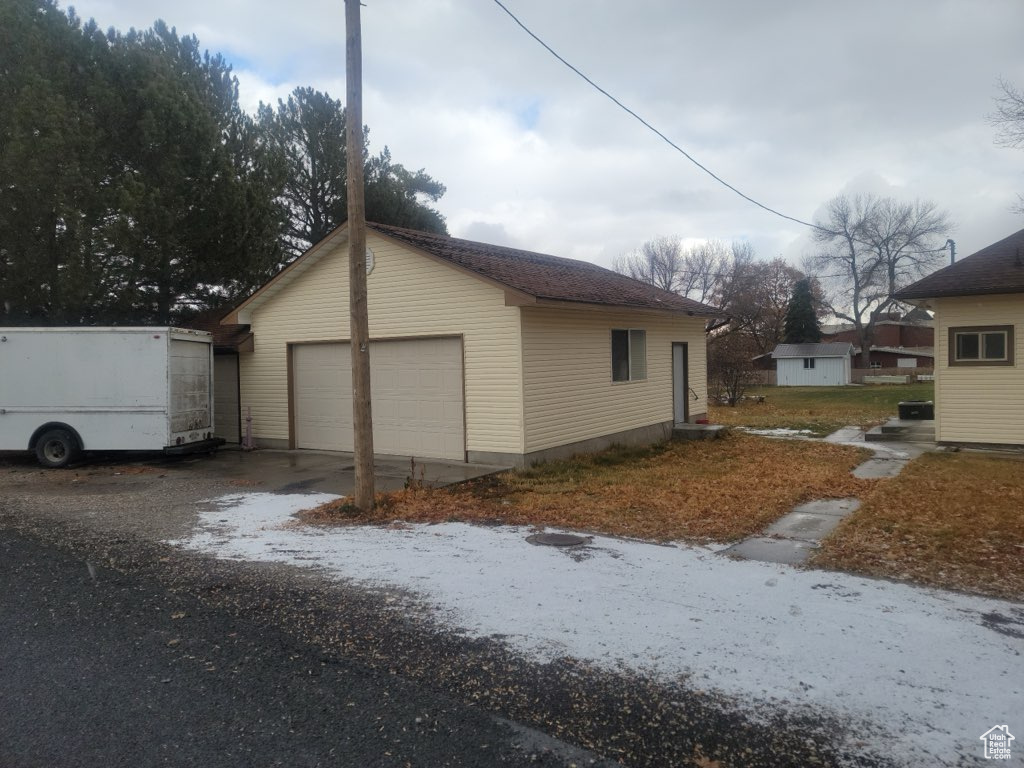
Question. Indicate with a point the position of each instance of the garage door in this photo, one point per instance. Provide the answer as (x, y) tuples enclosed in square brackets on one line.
[(416, 388)]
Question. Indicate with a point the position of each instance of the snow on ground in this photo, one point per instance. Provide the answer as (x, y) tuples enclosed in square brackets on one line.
[(776, 432), (929, 669), (852, 436)]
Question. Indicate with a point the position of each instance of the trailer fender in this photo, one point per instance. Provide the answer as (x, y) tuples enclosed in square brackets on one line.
[(40, 431)]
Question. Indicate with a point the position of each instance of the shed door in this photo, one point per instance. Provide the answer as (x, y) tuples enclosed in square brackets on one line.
[(226, 420), (416, 389)]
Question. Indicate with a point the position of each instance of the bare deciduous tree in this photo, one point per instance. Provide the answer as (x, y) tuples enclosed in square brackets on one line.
[(1009, 116), (731, 369), (1009, 120), (871, 247), (757, 299), (698, 272), (658, 262), (707, 267), (754, 294)]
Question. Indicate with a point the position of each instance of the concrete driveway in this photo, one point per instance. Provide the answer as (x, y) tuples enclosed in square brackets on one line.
[(279, 471)]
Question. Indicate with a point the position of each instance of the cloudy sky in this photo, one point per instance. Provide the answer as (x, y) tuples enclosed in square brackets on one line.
[(792, 102)]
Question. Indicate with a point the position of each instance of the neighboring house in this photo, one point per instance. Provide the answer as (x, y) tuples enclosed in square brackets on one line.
[(478, 352), (813, 365), (896, 340), (900, 357), (915, 329), (979, 355), (228, 340)]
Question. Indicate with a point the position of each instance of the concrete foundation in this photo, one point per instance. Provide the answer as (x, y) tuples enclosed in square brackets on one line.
[(649, 435)]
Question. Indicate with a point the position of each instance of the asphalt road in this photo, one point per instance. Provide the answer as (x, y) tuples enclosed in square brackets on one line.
[(100, 667)]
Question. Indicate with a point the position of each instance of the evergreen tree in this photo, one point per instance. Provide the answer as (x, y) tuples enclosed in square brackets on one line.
[(54, 151), (308, 130), (133, 186), (801, 325), (197, 220)]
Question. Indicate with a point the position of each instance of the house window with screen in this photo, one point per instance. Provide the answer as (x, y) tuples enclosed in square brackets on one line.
[(809, 362), (629, 355), (981, 345)]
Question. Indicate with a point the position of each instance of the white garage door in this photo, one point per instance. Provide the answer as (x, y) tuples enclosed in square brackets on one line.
[(416, 388)]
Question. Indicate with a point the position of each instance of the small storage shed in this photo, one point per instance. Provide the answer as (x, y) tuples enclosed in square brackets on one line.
[(478, 352), (813, 365)]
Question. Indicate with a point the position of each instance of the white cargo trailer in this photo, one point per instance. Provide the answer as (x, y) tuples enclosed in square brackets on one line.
[(67, 390)]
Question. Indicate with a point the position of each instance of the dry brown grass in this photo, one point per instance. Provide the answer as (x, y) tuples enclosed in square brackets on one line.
[(819, 409), (949, 520), (707, 490)]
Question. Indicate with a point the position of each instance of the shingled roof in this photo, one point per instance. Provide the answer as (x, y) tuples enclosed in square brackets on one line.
[(546, 277), (821, 349), (225, 336), (999, 268)]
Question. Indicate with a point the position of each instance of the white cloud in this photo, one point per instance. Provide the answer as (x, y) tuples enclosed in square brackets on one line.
[(789, 102)]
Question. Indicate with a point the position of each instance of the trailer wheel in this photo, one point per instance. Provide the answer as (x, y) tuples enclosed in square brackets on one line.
[(56, 448)]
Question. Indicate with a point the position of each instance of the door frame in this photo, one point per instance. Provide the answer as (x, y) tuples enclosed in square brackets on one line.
[(681, 389)]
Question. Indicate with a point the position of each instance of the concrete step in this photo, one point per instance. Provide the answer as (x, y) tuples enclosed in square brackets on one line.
[(878, 435), (698, 431), (902, 434)]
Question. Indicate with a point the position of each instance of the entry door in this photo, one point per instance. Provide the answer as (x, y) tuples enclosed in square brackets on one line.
[(680, 382)]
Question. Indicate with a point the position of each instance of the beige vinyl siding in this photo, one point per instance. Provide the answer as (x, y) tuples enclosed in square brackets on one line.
[(569, 394), (410, 295), (979, 404)]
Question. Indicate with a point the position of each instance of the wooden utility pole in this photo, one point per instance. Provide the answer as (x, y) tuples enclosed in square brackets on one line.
[(359, 322)]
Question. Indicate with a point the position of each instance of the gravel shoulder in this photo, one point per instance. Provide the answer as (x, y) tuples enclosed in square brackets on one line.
[(115, 517)]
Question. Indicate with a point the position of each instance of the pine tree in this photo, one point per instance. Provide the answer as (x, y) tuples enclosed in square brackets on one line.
[(53, 152), (308, 130), (134, 186), (801, 326)]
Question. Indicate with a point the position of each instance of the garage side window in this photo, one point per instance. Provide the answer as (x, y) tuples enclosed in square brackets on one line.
[(981, 345), (809, 363), (629, 354)]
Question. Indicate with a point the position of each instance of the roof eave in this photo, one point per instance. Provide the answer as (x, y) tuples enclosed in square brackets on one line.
[(593, 305)]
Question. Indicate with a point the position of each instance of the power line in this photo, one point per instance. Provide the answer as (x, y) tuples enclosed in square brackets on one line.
[(675, 146), (654, 130)]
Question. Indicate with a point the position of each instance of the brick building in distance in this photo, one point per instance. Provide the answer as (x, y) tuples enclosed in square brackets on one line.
[(900, 341)]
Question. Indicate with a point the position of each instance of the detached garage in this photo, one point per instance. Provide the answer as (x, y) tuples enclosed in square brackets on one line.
[(813, 365), (478, 352)]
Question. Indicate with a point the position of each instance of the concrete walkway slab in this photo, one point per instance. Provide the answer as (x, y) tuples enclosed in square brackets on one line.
[(770, 550), (836, 507), (880, 467), (803, 526), (845, 435), (793, 537)]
